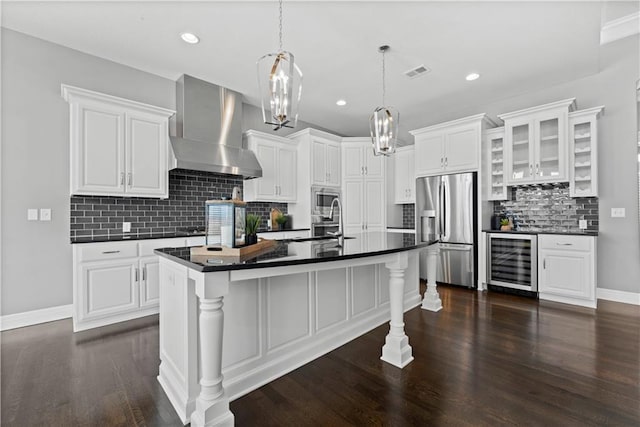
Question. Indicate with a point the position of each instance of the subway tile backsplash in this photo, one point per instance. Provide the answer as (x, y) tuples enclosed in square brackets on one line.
[(549, 208), (97, 216), (409, 216)]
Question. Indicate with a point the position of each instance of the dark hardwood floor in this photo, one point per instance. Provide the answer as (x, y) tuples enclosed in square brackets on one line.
[(486, 359)]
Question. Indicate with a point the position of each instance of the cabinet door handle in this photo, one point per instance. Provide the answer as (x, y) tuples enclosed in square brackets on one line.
[(441, 161), (544, 263), (121, 178), (538, 169), (366, 170), (110, 252), (137, 274), (144, 273), (129, 179), (446, 161), (530, 170), (361, 170)]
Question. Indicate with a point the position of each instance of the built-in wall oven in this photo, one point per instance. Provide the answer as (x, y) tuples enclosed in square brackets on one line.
[(512, 261), (321, 199)]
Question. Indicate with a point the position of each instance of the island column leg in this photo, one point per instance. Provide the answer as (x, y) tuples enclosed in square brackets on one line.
[(396, 349), (212, 404), (431, 299)]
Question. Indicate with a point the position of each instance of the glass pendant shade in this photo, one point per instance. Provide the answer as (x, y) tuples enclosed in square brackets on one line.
[(383, 125), (280, 86)]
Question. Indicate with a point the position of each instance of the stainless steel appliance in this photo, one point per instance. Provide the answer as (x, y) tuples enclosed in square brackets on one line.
[(322, 223), (512, 261), (446, 209)]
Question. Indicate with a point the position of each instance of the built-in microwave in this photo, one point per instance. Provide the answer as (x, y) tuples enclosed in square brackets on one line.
[(321, 199)]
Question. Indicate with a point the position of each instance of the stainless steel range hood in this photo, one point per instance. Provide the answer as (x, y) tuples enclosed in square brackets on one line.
[(209, 130)]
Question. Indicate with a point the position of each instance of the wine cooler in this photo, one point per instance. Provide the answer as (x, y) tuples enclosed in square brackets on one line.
[(512, 261)]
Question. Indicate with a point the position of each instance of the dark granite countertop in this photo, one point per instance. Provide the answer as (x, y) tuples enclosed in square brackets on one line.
[(146, 236), (536, 232), (301, 251)]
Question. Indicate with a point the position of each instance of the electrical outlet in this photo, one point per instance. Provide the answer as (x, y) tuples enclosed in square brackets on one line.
[(582, 224), (618, 213), (126, 227), (32, 214), (45, 214)]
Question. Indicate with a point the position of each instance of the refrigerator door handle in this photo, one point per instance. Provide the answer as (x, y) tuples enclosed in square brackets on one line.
[(444, 210), (439, 211)]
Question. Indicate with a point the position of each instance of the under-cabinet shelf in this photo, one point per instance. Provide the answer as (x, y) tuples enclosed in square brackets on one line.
[(549, 159), (582, 150), (521, 142), (583, 136)]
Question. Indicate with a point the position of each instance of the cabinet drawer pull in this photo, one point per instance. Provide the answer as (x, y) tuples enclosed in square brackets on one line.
[(564, 244), (110, 252)]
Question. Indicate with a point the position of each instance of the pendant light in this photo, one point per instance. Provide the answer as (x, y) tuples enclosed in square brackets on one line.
[(280, 86), (383, 123)]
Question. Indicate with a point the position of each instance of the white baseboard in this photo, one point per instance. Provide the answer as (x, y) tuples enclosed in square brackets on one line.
[(619, 296), (28, 318)]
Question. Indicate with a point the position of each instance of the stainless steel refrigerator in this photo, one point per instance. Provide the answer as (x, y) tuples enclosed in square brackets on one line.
[(446, 209)]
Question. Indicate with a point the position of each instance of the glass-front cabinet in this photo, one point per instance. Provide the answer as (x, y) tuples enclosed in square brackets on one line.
[(583, 152), (497, 187), (536, 143)]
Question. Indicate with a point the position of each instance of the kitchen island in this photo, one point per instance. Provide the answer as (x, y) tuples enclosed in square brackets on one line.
[(282, 309)]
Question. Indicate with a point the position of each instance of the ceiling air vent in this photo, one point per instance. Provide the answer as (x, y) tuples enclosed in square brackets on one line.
[(417, 71)]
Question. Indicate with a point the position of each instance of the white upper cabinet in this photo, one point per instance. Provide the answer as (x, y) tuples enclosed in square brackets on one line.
[(118, 147), (363, 188), (278, 159), (536, 143), (494, 173), (325, 162), (583, 152), (359, 160), (450, 147), (405, 180)]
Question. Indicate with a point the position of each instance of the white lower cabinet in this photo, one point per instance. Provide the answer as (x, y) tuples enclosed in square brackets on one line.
[(567, 269), (116, 281)]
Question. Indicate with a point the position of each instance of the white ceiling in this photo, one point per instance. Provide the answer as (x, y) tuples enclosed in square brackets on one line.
[(516, 46)]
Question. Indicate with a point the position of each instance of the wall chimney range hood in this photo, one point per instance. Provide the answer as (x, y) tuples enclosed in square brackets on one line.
[(209, 130)]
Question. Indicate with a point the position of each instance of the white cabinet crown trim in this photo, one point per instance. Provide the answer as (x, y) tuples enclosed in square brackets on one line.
[(462, 121), (570, 103), (269, 137), (597, 111), (317, 133), (74, 94)]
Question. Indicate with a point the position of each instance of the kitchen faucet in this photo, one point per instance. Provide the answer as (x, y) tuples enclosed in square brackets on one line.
[(340, 231)]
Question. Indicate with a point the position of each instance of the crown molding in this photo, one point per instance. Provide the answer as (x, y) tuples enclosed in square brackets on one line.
[(620, 28)]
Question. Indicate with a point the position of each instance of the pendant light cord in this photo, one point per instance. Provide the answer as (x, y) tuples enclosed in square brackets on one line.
[(383, 79), (280, 35)]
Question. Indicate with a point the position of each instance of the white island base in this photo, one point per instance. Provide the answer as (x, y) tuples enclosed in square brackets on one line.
[(274, 320)]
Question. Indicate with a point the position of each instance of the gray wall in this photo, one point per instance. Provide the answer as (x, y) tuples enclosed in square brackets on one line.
[(36, 256)]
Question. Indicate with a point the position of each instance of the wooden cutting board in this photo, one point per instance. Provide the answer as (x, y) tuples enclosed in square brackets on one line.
[(263, 246)]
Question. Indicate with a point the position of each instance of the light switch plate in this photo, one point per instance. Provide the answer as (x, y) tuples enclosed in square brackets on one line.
[(32, 214), (45, 214), (126, 227), (582, 224), (618, 213)]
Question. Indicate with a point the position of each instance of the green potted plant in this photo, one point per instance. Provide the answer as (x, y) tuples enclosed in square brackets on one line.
[(505, 224), (281, 220), (252, 223)]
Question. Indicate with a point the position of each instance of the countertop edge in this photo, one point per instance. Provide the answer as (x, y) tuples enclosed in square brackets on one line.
[(532, 232), (283, 263)]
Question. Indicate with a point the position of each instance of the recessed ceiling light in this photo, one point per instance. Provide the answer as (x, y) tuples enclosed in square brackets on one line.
[(341, 102), (190, 38), (472, 76)]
